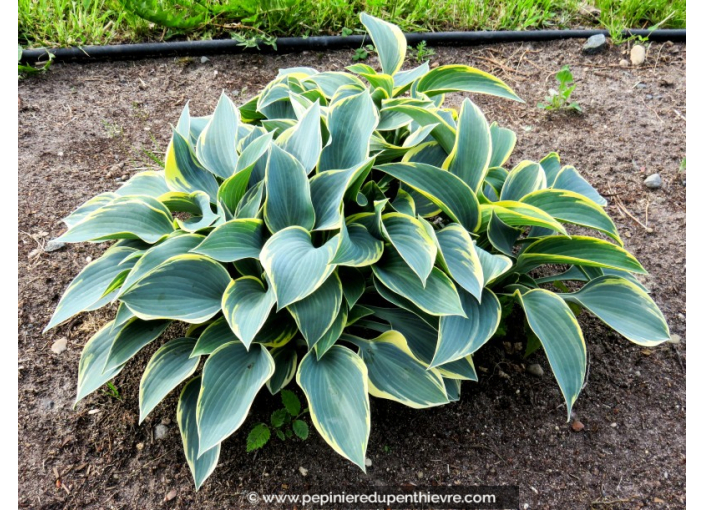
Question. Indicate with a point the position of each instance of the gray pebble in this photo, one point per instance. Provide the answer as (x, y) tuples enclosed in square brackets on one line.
[(203, 60), (161, 431), (594, 44), (535, 370), (653, 181), (53, 245)]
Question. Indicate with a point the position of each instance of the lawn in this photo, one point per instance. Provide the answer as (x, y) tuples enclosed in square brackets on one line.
[(50, 23)]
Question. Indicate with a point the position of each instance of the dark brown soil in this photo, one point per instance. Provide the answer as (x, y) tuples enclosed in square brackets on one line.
[(83, 128)]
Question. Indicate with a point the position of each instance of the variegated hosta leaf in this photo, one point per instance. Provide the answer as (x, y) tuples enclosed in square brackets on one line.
[(288, 200), (88, 288), (90, 367), (234, 240), (331, 81), (444, 189), (286, 363), (551, 166), (149, 183), (168, 368), (554, 324), (304, 140), (459, 257), (250, 205), (404, 79), (493, 266), (183, 170), (443, 132), (186, 287), (176, 244), (217, 144), (421, 334), (232, 377), (411, 240), (133, 336), (353, 284), (140, 217), (389, 41), (218, 333), (460, 78), (246, 304), (333, 333), (518, 214), (396, 374), (471, 153), (338, 395), (252, 158), (580, 250), (502, 143), (351, 122), (327, 191), (459, 336), (296, 267), (501, 236), (625, 307), (316, 313), (88, 207), (196, 203), (201, 466), (571, 180), (437, 297), (573, 208), (526, 178)]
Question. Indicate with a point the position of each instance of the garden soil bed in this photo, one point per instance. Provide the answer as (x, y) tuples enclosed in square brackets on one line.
[(83, 129)]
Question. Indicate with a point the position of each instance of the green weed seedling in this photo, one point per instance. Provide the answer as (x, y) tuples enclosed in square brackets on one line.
[(285, 423), (560, 99)]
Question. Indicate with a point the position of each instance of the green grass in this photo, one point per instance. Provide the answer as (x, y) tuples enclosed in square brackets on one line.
[(82, 22)]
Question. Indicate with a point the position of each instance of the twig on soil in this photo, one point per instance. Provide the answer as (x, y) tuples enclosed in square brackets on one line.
[(677, 354), (502, 66), (606, 502), (484, 447), (623, 209), (649, 108)]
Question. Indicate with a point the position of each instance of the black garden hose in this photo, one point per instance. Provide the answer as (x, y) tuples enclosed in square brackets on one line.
[(297, 44)]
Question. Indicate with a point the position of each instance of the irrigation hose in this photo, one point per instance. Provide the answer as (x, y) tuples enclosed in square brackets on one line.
[(298, 44)]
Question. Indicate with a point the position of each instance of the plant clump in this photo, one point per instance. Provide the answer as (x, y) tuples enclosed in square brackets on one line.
[(346, 230)]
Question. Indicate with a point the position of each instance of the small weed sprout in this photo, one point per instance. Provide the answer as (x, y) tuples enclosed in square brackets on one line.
[(422, 53), (285, 421), (560, 99)]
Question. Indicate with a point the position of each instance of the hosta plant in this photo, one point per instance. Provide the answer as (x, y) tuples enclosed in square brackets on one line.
[(346, 230)]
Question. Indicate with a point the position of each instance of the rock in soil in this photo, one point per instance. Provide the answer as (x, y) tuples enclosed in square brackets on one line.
[(637, 55), (675, 339), (595, 44), (653, 181), (53, 245), (535, 370), (368, 462), (623, 62), (303, 471), (170, 495), (577, 426), (59, 346), (161, 431)]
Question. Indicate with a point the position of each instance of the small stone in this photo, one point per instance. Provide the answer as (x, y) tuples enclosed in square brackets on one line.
[(203, 60), (161, 431), (595, 44), (641, 85), (89, 259), (140, 446), (653, 181), (420, 474), (59, 346), (675, 339), (53, 245), (637, 55), (535, 370), (33, 253), (623, 62), (47, 404), (303, 471), (614, 425), (577, 426), (170, 495), (368, 462)]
